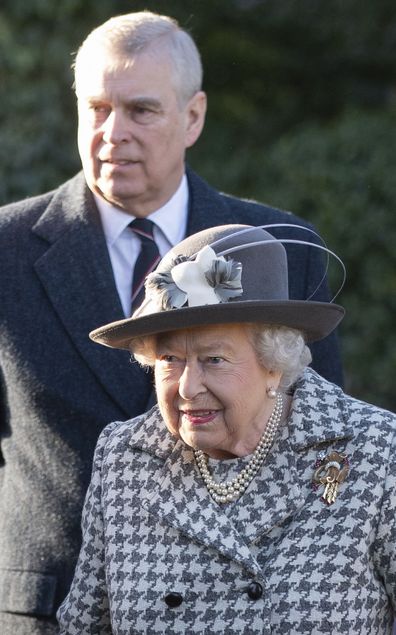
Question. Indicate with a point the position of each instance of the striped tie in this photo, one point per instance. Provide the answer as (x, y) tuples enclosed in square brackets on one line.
[(147, 260)]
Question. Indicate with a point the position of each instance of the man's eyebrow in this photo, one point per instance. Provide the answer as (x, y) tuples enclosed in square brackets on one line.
[(143, 101), (129, 103), (92, 99)]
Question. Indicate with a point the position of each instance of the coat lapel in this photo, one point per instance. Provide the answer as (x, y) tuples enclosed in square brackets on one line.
[(206, 207), (318, 418), (76, 272), (178, 498), (275, 494)]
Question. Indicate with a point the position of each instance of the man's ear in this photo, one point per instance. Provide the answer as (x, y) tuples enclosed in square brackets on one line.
[(195, 117)]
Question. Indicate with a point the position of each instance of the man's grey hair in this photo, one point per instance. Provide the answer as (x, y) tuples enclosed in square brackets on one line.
[(278, 348), (124, 37)]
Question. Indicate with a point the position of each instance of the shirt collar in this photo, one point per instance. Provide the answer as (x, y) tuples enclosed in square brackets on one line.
[(171, 218)]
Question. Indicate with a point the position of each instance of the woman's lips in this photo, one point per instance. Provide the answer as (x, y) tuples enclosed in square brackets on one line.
[(199, 417)]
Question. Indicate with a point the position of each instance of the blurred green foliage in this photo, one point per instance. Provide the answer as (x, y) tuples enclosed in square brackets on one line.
[(341, 176), (301, 115)]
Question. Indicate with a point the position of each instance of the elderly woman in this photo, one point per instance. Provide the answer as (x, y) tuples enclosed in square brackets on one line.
[(256, 497)]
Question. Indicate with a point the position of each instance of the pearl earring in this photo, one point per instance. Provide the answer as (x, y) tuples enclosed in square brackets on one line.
[(271, 392)]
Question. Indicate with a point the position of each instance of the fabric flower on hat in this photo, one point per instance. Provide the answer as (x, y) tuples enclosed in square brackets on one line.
[(208, 279)]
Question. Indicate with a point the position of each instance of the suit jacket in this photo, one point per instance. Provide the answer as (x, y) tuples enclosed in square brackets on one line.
[(59, 389), (277, 561)]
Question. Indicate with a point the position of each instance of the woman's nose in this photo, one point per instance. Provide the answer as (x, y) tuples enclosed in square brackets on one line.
[(191, 382)]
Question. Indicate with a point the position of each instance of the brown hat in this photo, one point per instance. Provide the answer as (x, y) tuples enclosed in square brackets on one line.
[(226, 274)]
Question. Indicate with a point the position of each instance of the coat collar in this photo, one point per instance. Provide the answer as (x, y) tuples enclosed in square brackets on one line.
[(75, 271), (74, 251), (180, 499), (319, 413), (207, 208)]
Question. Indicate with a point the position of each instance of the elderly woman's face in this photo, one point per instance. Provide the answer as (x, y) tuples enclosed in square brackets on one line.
[(211, 388)]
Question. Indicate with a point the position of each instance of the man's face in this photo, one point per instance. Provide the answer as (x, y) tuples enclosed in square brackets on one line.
[(133, 133)]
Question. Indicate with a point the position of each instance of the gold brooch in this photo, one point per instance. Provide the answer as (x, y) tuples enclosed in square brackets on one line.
[(330, 471)]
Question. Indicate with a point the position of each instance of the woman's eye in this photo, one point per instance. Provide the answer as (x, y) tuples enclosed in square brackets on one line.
[(168, 358)]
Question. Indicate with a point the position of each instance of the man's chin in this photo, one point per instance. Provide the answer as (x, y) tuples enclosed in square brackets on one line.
[(126, 201)]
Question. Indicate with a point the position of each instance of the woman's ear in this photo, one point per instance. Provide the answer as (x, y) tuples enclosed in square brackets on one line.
[(274, 378)]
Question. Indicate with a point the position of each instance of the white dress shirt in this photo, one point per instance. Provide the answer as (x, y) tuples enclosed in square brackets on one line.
[(124, 246)]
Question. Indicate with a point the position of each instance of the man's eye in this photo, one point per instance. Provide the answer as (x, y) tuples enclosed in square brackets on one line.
[(143, 114), (98, 108), (215, 360), (141, 109), (98, 113)]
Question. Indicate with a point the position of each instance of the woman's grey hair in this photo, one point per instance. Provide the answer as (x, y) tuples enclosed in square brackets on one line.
[(281, 349), (278, 348), (125, 36)]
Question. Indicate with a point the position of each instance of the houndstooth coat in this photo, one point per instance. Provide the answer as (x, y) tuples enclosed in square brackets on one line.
[(159, 556)]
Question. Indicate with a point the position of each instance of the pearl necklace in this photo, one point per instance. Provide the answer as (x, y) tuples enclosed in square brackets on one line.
[(232, 490)]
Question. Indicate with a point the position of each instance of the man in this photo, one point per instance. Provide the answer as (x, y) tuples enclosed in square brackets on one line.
[(67, 263)]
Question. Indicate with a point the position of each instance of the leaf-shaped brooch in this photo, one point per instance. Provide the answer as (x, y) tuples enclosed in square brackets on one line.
[(331, 471)]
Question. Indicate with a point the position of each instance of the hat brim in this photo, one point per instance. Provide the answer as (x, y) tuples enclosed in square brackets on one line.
[(315, 319)]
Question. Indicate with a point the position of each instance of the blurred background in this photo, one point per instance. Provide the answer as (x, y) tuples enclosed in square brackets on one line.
[(302, 115)]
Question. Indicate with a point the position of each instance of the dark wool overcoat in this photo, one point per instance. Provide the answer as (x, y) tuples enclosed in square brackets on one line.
[(58, 389), (159, 556)]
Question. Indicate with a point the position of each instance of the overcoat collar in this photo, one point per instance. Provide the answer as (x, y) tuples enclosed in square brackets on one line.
[(180, 499), (206, 207), (73, 253)]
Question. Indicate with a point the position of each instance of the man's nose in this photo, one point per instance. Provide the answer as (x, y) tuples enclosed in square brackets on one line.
[(116, 128), (191, 382)]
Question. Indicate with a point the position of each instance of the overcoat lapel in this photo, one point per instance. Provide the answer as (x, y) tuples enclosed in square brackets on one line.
[(76, 273), (206, 207)]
